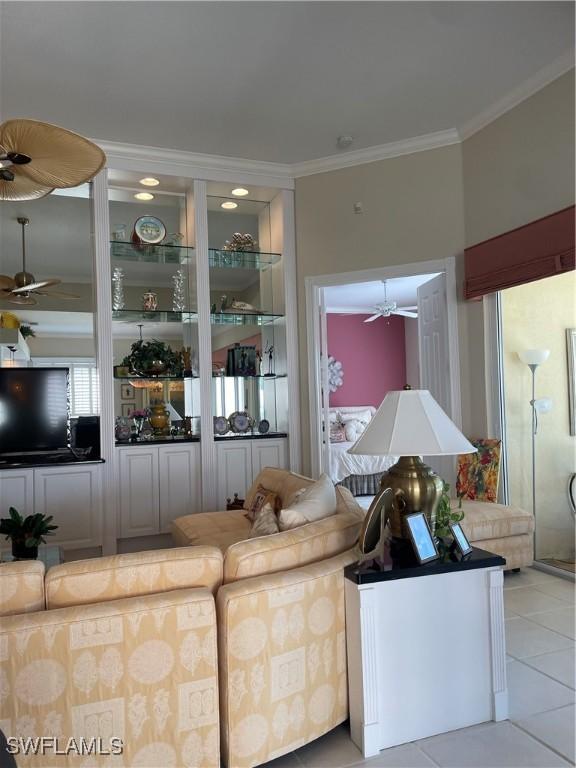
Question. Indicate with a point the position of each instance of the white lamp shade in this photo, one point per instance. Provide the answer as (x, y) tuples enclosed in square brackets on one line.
[(534, 356), (411, 423)]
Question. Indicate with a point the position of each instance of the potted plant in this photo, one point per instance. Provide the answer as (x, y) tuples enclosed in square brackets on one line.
[(446, 515), (153, 358), (26, 533)]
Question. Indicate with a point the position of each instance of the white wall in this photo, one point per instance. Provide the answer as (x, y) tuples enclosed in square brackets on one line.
[(412, 356)]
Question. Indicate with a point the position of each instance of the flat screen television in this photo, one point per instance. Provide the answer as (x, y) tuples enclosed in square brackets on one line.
[(34, 410)]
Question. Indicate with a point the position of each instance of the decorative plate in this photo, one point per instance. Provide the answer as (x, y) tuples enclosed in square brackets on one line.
[(240, 422), (149, 229), (264, 426), (221, 425)]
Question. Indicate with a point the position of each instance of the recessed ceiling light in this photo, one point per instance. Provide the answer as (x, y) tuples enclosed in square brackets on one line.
[(144, 196), (240, 192), (229, 205), (149, 181)]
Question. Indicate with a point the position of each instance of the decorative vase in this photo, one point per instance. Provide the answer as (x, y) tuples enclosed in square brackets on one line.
[(118, 291), (21, 552), (160, 419), (149, 301)]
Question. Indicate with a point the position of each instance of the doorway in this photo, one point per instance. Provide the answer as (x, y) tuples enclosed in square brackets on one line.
[(418, 337)]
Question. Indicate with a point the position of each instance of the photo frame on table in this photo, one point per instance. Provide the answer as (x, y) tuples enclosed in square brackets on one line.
[(127, 409), (127, 392), (424, 545), (461, 543)]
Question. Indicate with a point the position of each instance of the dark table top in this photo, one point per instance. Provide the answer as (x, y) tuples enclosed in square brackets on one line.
[(389, 569)]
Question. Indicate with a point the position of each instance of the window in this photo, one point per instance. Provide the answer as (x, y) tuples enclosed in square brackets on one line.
[(84, 383)]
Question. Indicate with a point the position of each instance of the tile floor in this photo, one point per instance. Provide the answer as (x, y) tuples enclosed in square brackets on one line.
[(541, 682)]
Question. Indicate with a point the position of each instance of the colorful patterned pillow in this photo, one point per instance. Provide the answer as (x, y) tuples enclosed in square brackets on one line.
[(478, 472), (337, 433), (265, 522)]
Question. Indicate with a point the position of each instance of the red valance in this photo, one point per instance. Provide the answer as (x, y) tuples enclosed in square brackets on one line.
[(543, 248)]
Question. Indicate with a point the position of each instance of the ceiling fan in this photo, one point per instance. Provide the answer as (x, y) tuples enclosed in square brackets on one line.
[(36, 158), (388, 308), (22, 288)]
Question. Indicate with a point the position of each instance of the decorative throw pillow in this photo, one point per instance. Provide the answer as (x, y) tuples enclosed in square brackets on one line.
[(261, 497), (265, 522), (337, 433), (353, 429), (364, 416), (315, 503)]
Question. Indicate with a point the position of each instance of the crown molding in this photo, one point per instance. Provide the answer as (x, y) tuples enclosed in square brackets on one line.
[(174, 162), (528, 88), (378, 152)]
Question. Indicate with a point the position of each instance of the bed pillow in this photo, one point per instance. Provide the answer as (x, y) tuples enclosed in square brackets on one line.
[(315, 503), (265, 522), (337, 433), (353, 429), (261, 497), (364, 416)]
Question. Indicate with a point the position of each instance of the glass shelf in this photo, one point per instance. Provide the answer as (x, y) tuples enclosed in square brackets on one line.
[(136, 377), (221, 259), (159, 254), (264, 377), (158, 316), (243, 318)]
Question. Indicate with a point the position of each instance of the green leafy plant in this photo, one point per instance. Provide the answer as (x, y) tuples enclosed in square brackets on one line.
[(445, 514), (145, 355), (27, 332), (27, 531)]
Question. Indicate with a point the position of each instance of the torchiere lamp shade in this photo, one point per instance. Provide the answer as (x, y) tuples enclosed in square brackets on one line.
[(411, 423)]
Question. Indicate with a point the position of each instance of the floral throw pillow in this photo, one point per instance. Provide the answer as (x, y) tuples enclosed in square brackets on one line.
[(478, 472), (337, 433), (265, 522), (261, 497)]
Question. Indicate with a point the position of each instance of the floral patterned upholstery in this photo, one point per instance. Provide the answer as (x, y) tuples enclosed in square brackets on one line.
[(282, 660), (21, 587), (130, 575), (217, 529), (478, 473), (141, 669)]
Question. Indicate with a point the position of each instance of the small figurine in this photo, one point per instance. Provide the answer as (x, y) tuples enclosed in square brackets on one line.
[(269, 350), (223, 300), (240, 242)]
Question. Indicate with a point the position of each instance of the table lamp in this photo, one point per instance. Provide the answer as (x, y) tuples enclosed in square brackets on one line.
[(409, 423)]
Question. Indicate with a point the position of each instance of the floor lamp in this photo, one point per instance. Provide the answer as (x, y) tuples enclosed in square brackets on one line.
[(533, 358)]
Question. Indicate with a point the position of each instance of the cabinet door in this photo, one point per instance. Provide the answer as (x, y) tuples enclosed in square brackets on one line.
[(139, 491), (234, 459), (179, 474), (73, 496), (17, 490), (268, 453)]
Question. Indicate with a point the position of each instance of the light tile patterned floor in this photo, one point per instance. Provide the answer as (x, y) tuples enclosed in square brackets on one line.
[(541, 684)]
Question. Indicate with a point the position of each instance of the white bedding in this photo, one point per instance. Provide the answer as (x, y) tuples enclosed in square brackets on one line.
[(343, 464)]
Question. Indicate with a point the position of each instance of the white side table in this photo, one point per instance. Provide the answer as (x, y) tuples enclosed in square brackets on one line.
[(426, 648)]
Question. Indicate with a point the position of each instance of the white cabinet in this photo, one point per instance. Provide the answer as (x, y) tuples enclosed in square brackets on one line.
[(240, 461), (139, 491), (72, 494), (179, 470), (17, 490), (157, 483)]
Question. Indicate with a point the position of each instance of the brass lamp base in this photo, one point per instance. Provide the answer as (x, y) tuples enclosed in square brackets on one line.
[(416, 488)]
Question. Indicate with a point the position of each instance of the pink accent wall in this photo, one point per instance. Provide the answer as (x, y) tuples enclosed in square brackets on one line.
[(373, 357)]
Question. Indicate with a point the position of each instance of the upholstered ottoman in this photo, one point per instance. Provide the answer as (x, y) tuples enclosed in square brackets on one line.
[(503, 529)]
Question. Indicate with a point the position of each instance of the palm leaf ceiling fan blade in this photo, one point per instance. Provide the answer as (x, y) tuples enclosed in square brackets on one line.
[(25, 300), (7, 283), (57, 295), (44, 157), (405, 313), (374, 317), (36, 286)]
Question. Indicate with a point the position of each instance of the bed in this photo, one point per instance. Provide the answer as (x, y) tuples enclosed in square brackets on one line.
[(360, 474)]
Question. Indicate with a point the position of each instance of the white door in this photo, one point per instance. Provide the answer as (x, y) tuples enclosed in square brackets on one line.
[(324, 387), (434, 353), (268, 453), (179, 474), (17, 490), (139, 491)]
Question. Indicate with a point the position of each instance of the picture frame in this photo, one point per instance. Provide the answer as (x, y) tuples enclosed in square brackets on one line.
[(126, 409), (423, 543), (461, 542), (126, 392)]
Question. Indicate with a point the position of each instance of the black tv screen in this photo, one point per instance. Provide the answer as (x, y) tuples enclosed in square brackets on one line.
[(33, 409)]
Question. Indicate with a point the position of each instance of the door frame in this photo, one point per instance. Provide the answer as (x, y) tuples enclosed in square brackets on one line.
[(316, 283)]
